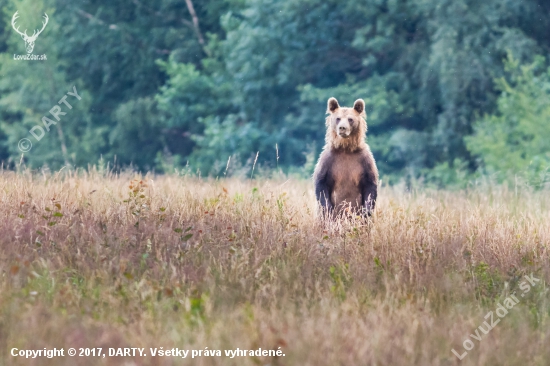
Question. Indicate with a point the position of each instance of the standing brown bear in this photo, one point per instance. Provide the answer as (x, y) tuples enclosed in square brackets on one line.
[(346, 177)]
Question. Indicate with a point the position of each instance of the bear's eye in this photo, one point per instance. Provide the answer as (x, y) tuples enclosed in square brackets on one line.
[(337, 119), (350, 120)]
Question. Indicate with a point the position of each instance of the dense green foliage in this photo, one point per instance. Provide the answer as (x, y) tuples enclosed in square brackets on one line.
[(164, 84), (515, 140)]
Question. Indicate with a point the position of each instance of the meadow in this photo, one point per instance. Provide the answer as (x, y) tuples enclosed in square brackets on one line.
[(99, 260)]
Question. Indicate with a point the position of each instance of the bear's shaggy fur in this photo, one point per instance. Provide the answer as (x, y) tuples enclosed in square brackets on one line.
[(346, 177)]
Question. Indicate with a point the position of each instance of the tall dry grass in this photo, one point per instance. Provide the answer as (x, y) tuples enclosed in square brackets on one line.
[(91, 260)]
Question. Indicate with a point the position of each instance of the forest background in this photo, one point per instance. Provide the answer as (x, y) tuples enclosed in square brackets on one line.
[(456, 90)]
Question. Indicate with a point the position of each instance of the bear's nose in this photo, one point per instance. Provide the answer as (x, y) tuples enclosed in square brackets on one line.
[(342, 129)]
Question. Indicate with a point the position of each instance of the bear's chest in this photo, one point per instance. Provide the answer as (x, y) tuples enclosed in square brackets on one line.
[(346, 175)]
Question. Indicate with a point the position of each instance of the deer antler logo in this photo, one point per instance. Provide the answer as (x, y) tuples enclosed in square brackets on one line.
[(29, 40)]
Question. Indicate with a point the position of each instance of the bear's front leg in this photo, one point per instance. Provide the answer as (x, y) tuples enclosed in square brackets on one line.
[(322, 193), (369, 193)]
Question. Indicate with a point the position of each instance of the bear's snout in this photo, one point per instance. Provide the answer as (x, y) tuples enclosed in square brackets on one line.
[(343, 129)]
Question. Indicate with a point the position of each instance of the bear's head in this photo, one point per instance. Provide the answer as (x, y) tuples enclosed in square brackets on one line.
[(346, 127)]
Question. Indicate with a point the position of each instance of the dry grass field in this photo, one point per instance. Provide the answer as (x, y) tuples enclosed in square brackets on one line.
[(100, 261)]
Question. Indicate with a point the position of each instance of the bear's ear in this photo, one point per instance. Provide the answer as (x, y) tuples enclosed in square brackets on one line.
[(332, 105), (359, 107)]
